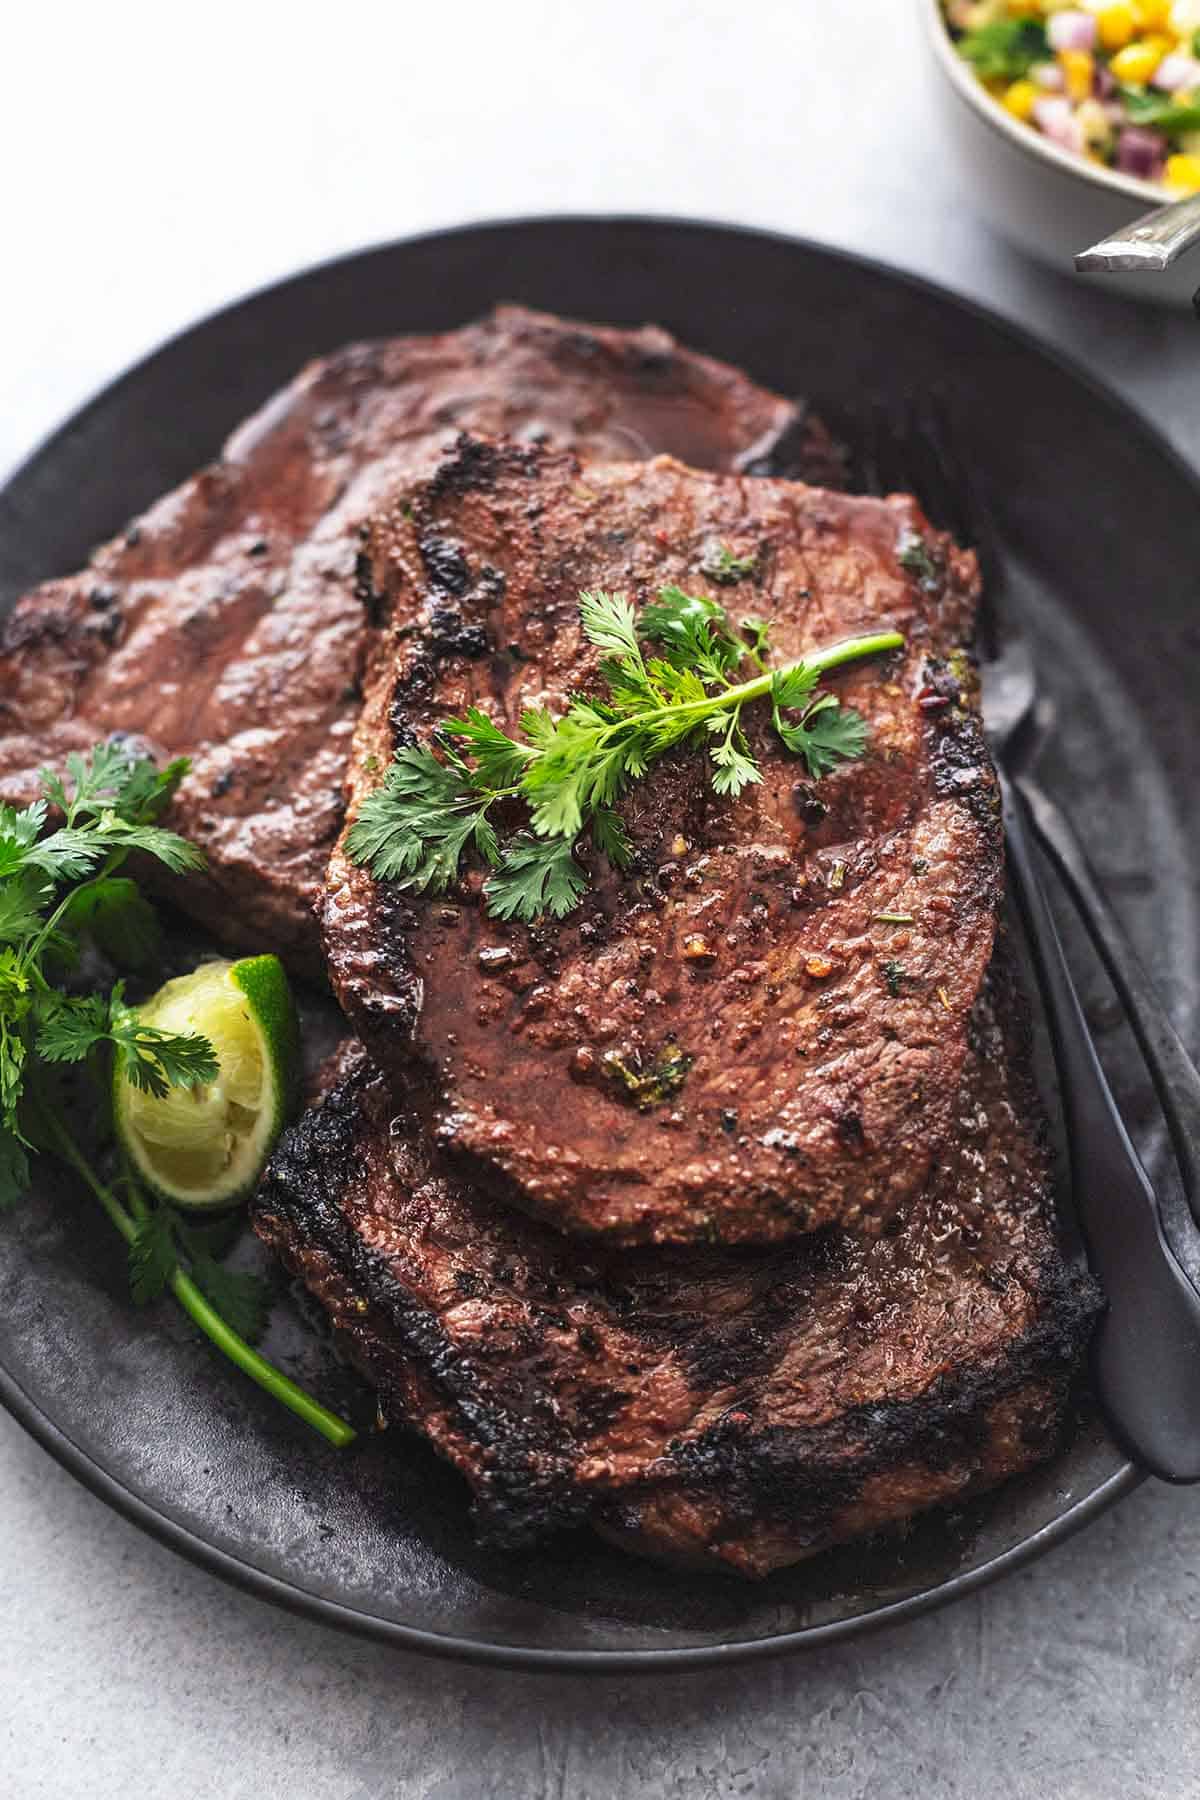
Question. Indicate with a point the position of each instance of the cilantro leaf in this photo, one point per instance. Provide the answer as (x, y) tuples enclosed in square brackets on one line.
[(74, 850), (22, 897), (695, 634), (167, 847), (15, 1002), (152, 1257), (499, 759), (826, 735), (155, 1060), (486, 841), (118, 918), (242, 1299), (113, 779), (735, 768), (1160, 112), (1005, 49), (610, 623), (536, 876), (415, 826), (107, 803), (24, 826), (836, 734), (68, 1029), (18, 832), (538, 726), (576, 771), (570, 772), (66, 855), (109, 800), (793, 686), (608, 835), (92, 781), (147, 790)]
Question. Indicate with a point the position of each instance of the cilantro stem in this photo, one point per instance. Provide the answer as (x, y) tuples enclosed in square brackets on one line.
[(268, 1377), (847, 650), (239, 1352)]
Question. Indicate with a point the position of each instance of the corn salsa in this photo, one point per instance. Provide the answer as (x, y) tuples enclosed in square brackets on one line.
[(1115, 82)]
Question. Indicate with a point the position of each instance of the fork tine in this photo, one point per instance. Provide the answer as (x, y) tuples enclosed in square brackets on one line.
[(914, 448), (945, 489), (861, 426), (974, 524)]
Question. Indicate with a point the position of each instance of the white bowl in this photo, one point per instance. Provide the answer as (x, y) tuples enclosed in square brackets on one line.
[(1039, 197)]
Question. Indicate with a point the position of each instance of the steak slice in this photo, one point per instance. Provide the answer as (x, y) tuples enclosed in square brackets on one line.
[(737, 1408), (226, 623), (789, 974)]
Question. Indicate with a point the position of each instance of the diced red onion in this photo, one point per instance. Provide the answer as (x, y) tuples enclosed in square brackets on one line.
[(1071, 31), (1104, 83), (1056, 117), (1141, 152), (1176, 71), (1048, 76)]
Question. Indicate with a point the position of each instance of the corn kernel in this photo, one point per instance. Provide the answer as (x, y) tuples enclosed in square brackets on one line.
[(1182, 174), (1150, 15), (1115, 24), (1136, 63), (1021, 98), (1078, 67)]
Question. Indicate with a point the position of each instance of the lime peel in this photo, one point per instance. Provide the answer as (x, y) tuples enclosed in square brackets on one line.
[(203, 1148)]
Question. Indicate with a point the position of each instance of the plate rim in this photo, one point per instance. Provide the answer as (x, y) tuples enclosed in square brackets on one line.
[(302, 1601), (532, 1658)]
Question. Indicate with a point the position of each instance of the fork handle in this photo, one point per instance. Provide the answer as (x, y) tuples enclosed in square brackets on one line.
[(1174, 1074), (1146, 1350), (1152, 242)]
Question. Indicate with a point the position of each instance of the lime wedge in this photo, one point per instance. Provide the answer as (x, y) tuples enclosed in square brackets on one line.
[(205, 1147)]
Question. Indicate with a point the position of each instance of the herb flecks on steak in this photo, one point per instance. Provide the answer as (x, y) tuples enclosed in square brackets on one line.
[(230, 623), (672, 675), (843, 1091)]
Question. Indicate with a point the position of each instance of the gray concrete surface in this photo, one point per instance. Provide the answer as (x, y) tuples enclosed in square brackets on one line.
[(162, 161)]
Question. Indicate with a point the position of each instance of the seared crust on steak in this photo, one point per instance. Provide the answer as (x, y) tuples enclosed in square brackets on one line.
[(733, 1408), (227, 624), (809, 955)]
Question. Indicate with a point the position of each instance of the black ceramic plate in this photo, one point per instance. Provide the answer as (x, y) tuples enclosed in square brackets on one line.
[(1109, 522)]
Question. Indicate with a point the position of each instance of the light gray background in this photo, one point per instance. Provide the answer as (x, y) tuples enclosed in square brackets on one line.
[(162, 160)]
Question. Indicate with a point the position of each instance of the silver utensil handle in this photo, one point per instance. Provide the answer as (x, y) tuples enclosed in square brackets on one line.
[(1174, 1074), (1153, 242), (1146, 1349)]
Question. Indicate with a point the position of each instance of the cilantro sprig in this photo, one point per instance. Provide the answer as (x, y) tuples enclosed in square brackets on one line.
[(673, 674), (1159, 111), (59, 892), (1004, 49)]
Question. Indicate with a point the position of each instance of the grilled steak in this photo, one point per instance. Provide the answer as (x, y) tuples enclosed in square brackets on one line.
[(736, 1408), (791, 973), (226, 623)]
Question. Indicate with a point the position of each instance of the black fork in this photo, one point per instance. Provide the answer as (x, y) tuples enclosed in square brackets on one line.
[(1146, 1353)]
